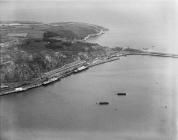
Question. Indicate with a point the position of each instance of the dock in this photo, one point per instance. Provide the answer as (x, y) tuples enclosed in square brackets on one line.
[(70, 68), (48, 77)]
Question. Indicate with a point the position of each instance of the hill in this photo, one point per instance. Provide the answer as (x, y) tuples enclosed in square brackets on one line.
[(29, 50)]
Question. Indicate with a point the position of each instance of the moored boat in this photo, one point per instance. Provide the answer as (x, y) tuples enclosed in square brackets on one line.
[(82, 68), (50, 81), (18, 89), (103, 103), (121, 94)]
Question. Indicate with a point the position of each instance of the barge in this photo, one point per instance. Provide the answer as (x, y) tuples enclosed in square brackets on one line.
[(103, 103), (121, 94)]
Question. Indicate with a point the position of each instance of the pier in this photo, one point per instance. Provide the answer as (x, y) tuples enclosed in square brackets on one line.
[(69, 69), (58, 73)]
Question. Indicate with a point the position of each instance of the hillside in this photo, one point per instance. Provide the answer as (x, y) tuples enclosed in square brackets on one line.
[(28, 50)]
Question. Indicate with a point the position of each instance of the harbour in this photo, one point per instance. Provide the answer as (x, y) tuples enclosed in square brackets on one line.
[(70, 104), (77, 67)]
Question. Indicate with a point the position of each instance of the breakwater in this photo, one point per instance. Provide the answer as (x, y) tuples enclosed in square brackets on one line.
[(158, 54), (68, 69)]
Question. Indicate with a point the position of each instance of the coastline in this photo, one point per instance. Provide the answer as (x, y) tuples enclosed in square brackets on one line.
[(60, 73), (69, 69), (100, 32), (57, 73)]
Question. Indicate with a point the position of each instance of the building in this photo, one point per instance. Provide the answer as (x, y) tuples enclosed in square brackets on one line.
[(18, 35)]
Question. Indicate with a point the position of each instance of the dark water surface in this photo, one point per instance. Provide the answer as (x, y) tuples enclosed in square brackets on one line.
[(68, 110)]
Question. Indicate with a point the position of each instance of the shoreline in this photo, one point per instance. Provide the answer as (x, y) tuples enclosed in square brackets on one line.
[(58, 75), (65, 72), (24, 86), (102, 31), (69, 69)]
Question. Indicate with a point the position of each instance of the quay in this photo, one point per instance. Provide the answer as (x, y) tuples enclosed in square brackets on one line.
[(71, 68), (98, 62), (56, 74)]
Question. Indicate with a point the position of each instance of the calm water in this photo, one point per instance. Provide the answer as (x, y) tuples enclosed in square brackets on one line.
[(68, 109)]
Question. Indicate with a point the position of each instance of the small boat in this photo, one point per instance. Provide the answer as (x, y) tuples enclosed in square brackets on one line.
[(50, 81), (18, 89), (121, 94), (103, 103), (82, 68)]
